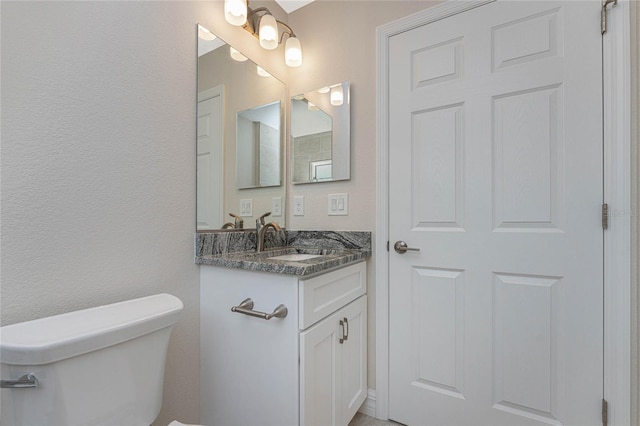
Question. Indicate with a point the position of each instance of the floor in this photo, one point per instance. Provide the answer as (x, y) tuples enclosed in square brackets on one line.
[(363, 420)]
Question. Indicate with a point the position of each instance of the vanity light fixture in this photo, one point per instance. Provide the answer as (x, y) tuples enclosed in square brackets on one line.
[(205, 34), (262, 72), (236, 56), (324, 90), (337, 95), (235, 12), (263, 25)]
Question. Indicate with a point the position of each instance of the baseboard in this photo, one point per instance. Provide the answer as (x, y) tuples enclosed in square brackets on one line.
[(369, 405)]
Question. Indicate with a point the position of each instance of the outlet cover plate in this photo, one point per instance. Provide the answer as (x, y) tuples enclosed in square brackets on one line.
[(298, 205)]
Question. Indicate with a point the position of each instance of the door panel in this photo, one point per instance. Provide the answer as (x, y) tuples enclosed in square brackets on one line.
[(209, 160), (496, 169)]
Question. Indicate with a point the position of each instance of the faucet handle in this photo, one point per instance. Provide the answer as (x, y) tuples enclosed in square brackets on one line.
[(261, 219), (239, 222)]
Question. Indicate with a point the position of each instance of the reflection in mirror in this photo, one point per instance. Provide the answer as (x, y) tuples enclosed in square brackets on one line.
[(320, 135), (230, 91), (258, 146)]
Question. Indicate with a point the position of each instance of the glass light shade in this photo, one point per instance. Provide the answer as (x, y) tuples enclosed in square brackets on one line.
[(262, 72), (268, 32), (236, 56), (293, 52), (235, 12), (205, 34), (324, 90), (337, 95)]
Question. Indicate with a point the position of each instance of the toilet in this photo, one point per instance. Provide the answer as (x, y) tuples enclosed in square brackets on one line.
[(97, 366)]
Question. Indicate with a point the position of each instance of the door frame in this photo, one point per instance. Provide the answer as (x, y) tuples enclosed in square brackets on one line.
[(216, 91), (619, 193)]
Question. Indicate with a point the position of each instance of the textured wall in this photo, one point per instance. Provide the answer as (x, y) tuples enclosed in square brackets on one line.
[(98, 166)]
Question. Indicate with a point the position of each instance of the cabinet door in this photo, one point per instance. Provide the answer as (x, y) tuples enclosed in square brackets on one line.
[(320, 364), (333, 374), (354, 359)]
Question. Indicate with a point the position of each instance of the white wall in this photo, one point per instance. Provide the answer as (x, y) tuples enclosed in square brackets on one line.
[(98, 166)]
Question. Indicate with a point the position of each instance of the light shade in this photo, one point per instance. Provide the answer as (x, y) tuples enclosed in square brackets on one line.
[(262, 72), (268, 32), (293, 52), (235, 12), (205, 34), (337, 95), (236, 56)]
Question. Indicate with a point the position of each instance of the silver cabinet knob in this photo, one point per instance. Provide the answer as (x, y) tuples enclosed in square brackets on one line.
[(401, 247)]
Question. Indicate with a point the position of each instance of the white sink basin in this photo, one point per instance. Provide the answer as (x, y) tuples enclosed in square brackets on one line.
[(295, 257)]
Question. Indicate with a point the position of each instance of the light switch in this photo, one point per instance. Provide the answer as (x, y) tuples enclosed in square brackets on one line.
[(338, 204), (246, 207)]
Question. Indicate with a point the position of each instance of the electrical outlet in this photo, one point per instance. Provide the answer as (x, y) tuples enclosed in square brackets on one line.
[(246, 207), (298, 205), (338, 204), (276, 206)]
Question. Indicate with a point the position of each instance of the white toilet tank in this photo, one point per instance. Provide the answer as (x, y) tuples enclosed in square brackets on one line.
[(98, 366)]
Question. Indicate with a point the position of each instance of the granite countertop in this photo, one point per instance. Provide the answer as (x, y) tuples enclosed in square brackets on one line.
[(328, 259)]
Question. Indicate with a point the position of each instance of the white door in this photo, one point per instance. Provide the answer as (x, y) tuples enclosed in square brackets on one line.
[(210, 159), (496, 176)]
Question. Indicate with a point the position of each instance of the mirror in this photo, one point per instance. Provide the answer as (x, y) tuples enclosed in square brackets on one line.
[(258, 143), (240, 138), (321, 135)]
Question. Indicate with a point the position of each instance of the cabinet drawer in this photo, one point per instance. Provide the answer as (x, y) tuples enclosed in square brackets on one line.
[(324, 294)]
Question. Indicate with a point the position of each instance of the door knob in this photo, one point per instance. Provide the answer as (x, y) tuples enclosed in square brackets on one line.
[(401, 247)]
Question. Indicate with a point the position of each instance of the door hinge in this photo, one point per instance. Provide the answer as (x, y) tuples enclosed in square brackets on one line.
[(387, 245), (605, 216), (605, 412), (603, 14)]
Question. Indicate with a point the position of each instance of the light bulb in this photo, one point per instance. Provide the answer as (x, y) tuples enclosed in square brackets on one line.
[(268, 32), (337, 95), (293, 52), (205, 34), (235, 12), (236, 56), (262, 72)]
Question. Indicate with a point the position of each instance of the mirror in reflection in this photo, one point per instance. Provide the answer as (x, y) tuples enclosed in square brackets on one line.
[(320, 135), (258, 139), (239, 139)]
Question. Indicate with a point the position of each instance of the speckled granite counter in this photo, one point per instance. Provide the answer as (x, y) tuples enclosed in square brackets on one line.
[(335, 249)]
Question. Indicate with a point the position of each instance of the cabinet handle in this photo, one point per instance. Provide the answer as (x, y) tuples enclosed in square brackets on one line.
[(246, 308), (344, 323)]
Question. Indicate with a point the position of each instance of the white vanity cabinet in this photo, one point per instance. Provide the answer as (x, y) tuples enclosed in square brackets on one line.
[(308, 368)]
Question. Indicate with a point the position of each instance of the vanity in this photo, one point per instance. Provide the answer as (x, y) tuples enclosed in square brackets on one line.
[(283, 331), (295, 353)]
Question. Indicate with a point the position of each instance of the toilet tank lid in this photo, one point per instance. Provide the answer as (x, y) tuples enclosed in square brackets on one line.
[(54, 338)]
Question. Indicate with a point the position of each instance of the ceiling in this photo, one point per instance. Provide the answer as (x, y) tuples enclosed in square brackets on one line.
[(291, 5)]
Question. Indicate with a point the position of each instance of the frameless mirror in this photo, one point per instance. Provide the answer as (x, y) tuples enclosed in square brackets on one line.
[(240, 138), (321, 135), (258, 140)]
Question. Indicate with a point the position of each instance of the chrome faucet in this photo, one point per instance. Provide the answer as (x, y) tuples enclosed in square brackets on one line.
[(261, 230), (239, 222)]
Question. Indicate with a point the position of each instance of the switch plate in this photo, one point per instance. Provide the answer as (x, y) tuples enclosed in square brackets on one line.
[(298, 205), (246, 207), (338, 204), (276, 206)]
